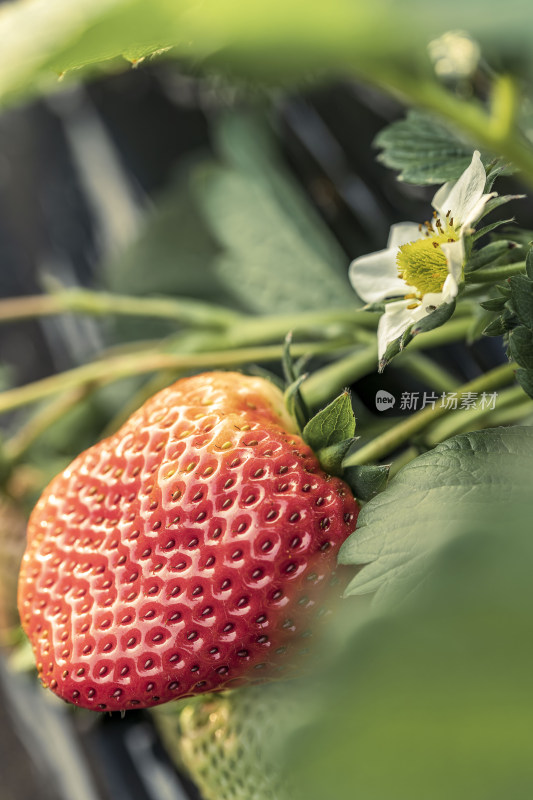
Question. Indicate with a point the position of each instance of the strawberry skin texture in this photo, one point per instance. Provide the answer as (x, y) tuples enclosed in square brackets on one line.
[(189, 552)]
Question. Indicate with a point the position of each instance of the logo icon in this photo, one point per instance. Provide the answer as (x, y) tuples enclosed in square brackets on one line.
[(384, 400)]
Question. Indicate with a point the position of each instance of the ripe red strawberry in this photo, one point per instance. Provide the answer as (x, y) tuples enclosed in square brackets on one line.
[(186, 553)]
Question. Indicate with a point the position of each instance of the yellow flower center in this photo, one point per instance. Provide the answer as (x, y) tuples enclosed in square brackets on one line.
[(422, 263)]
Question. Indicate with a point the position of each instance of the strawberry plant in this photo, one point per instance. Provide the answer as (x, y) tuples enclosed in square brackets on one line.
[(204, 542)]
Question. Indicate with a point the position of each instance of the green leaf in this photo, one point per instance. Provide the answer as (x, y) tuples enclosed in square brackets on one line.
[(271, 41), (295, 403), (276, 253), (500, 200), (529, 263), (522, 297), (478, 323), (424, 150), (290, 373), (429, 498), (431, 699), (6, 376), (494, 170), (366, 481), (521, 346), (494, 304), (491, 227), (294, 400), (525, 379), (504, 289), (392, 350), (495, 328), (274, 41), (333, 424), (434, 320)]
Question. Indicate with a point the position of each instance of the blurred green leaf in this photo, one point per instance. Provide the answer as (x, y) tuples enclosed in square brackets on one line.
[(172, 256), (238, 232), (529, 263), (433, 700), (425, 504), (276, 40)]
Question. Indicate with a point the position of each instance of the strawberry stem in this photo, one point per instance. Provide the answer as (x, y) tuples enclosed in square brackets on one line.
[(473, 419), (403, 431), (331, 379), (108, 370), (83, 301), (187, 312), (496, 273)]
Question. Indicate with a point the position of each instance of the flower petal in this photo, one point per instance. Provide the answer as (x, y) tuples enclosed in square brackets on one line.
[(450, 289), (403, 232), (397, 316), (462, 196), (477, 211), (455, 256), (393, 322), (432, 300), (375, 276)]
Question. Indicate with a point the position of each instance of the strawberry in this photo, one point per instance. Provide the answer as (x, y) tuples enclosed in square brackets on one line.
[(188, 552), (231, 743)]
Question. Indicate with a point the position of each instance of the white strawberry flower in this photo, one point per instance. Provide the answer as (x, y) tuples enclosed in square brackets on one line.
[(422, 267)]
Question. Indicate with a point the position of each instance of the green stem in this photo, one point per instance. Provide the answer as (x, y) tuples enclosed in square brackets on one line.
[(504, 105), (426, 370), (515, 413), (112, 369), (253, 330), (242, 328), (405, 457), (22, 440), (396, 436), (325, 382), (84, 301), (475, 418), (319, 387), (496, 273)]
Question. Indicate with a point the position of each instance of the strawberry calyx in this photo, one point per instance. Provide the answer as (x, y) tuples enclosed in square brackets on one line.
[(331, 432)]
